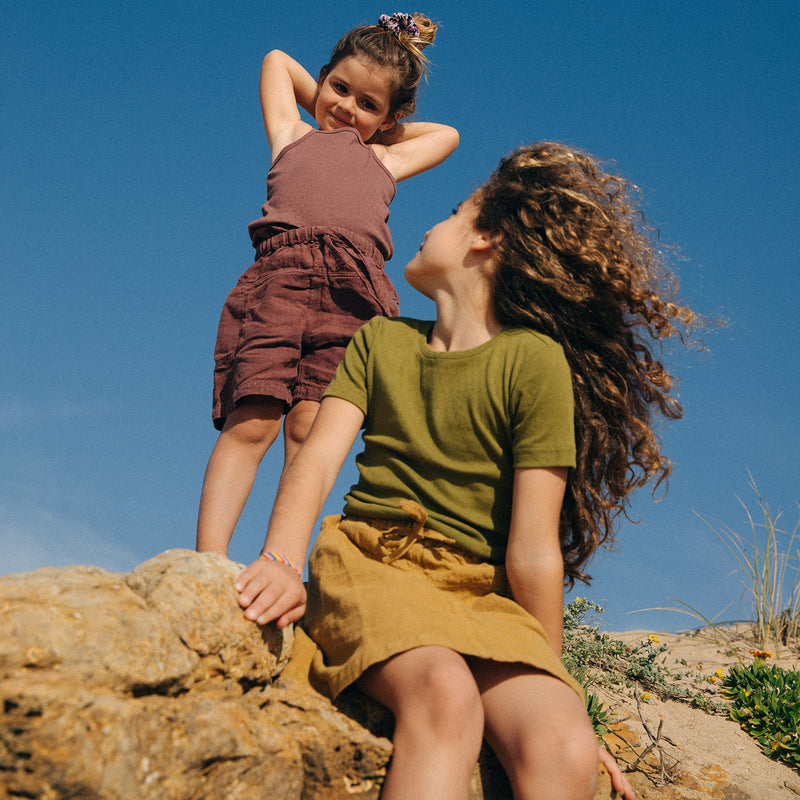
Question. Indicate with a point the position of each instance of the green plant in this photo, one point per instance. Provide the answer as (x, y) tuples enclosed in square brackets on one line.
[(598, 714), (586, 649), (767, 556), (596, 659), (766, 703), (574, 618)]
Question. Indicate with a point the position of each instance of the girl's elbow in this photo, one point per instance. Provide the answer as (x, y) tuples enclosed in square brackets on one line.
[(524, 567), (452, 137), (274, 58)]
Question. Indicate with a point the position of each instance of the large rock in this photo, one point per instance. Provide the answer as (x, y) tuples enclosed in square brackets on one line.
[(153, 686)]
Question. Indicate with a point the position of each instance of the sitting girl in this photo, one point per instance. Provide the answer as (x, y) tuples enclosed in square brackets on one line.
[(501, 441)]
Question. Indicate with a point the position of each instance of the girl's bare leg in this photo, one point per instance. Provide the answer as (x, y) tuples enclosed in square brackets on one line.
[(296, 426), (248, 433), (539, 730), (438, 722)]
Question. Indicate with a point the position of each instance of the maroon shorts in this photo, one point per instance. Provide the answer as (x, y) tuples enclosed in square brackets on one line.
[(285, 325)]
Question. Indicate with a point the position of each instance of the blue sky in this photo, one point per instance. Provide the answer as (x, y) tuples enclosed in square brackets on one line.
[(133, 157)]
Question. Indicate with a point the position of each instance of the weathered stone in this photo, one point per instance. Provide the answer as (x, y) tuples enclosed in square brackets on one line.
[(153, 686), (88, 624), (186, 590)]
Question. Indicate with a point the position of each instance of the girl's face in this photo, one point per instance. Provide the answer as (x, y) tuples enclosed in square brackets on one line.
[(355, 94), (445, 249)]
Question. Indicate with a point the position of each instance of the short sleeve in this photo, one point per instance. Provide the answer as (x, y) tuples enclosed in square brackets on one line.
[(542, 409), (350, 380)]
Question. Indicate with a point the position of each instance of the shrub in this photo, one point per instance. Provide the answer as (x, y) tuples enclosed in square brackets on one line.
[(595, 658), (766, 703)]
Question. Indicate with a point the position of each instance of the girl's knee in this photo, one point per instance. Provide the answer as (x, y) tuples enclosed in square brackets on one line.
[(254, 423), (451, 696), (445, 717), (298, 422), (436, 692), (563, 758)]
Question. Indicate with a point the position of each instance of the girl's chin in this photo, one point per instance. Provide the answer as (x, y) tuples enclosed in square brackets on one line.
[(413, 281)]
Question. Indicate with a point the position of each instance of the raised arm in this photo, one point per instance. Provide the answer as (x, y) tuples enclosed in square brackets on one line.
[(413, 147), (270, 590), (284, 85)]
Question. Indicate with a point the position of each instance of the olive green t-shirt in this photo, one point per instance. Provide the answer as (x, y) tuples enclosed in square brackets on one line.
[(448, 429)]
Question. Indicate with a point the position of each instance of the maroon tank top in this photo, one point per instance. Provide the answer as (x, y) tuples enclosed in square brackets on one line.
[(328, 179)]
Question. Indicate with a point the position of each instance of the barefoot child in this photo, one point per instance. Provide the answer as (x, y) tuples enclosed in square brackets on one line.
[(501, 441), (321, 245)]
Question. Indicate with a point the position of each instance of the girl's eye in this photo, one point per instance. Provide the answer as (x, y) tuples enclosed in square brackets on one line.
[(340, 87), (368, 105)]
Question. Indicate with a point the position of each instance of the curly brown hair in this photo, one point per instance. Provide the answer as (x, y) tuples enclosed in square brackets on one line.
[(576, 261), (400, 53)]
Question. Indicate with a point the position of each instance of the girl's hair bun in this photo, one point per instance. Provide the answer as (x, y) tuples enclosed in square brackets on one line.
[(427, 30), (414, 31)]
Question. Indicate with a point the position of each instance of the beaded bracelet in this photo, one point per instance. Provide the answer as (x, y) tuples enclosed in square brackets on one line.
[(271, 555)]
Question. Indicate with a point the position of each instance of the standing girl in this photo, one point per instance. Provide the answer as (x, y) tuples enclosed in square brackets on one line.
[(501, 441), (321, 244)]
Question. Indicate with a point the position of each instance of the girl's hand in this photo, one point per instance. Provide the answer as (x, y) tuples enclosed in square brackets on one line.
[(270, 590), (619, 782), (413, 147)]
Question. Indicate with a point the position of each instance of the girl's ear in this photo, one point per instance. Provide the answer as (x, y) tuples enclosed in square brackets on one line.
[(389, 122), (483, 241)]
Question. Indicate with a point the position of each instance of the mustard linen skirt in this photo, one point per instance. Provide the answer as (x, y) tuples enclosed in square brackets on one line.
[(378, 588)]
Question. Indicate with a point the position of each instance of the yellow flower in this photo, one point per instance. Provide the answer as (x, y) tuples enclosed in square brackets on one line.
[(646, 696), (577, 599), (653, 638), (765, 654), (719, 673)]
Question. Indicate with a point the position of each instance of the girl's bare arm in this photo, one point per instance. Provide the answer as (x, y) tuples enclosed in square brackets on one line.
[(413, 147), (536, 572), (270, 590), (533, 559), (284, 85)]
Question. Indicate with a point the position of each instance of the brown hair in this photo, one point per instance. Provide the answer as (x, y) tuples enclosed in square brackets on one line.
[(399, 52), (576, 261)]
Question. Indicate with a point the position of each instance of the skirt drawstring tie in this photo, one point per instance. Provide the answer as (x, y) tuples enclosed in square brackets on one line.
[(400, 540)]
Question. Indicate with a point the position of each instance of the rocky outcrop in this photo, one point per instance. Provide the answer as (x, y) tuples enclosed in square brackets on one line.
[(152, 686)]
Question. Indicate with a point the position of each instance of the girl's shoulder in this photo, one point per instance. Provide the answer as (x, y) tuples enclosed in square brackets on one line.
[(529, 352), (531, 338)]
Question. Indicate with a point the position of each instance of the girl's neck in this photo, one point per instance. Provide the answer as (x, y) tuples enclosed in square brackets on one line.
[(462, 326)]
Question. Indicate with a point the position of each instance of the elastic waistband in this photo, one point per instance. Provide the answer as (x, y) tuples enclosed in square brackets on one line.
[(315, 233)]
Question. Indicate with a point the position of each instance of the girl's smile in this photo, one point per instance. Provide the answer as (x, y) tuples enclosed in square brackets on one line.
[(355, 94)]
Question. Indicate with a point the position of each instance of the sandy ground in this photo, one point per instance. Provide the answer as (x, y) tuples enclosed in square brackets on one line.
[(697, 750)]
